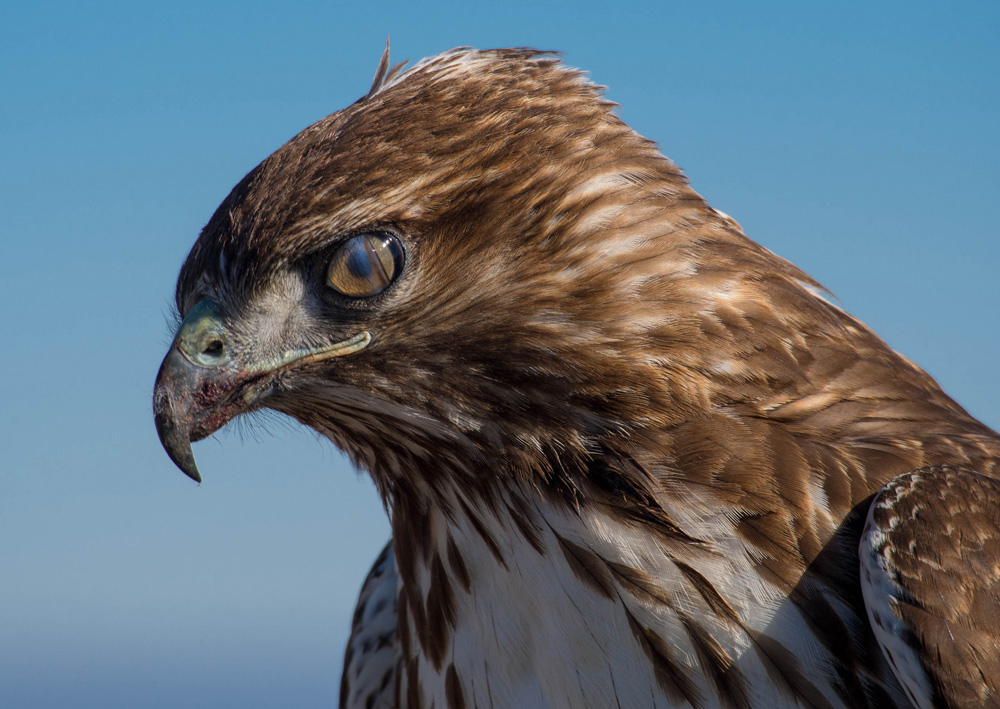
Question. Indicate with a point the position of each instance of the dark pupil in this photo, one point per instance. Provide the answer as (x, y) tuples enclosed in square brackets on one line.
[(361, 261), (365, 265)]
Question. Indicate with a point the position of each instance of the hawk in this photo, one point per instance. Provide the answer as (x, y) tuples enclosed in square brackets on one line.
[(631, 457)]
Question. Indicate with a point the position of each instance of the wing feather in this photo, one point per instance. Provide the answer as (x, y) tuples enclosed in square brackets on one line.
[(930, 573), (371, 658)]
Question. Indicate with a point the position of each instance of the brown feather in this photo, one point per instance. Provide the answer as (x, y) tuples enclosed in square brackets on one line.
[(574, 320), (940, 543)]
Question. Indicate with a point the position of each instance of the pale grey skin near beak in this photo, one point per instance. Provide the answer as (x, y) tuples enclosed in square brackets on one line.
[(200, 387)]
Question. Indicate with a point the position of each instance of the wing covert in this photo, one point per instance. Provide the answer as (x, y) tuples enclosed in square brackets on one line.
[(930, 574)]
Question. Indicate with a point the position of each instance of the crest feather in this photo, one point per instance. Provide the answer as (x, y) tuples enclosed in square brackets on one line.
[(385, 74)]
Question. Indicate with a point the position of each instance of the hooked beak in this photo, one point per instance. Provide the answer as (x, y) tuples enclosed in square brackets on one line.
[(200, 387)]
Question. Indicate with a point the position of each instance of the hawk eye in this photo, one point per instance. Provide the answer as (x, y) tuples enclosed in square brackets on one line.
[(365, 265)]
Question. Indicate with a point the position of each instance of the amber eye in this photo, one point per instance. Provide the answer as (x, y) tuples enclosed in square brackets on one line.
[(365, 265)]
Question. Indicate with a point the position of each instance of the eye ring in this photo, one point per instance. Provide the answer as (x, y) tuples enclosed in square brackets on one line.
[(365, 265)]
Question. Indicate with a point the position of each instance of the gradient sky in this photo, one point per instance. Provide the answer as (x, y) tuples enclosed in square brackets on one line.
[(858, 140)]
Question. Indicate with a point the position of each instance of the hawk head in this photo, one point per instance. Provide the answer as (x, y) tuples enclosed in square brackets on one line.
[(482, 285), (476, 262)]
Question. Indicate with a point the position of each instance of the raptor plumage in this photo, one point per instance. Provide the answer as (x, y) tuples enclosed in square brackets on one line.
[(628, 453)]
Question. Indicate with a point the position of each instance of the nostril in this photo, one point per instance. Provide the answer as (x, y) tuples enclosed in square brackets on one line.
[(214, 348), (202, 336)]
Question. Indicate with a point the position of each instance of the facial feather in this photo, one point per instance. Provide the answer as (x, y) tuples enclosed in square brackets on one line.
[(565, 288), (580, 356)]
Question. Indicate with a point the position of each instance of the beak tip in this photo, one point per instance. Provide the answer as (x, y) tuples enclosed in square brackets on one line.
[(184, 459), (176, 442), (172, 412), (180, 453)]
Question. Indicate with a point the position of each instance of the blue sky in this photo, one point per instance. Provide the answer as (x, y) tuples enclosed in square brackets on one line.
[(858, 140)]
